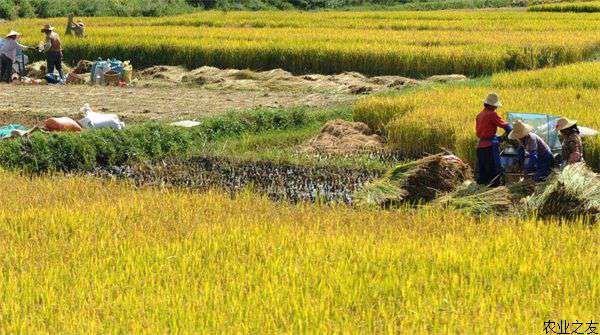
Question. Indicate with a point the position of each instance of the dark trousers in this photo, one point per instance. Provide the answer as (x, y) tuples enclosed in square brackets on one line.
[(6, 69), (54, 60), (544, 167), (489, 166)]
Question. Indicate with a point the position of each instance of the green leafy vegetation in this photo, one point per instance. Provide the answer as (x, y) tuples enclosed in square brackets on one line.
[(89, 149)]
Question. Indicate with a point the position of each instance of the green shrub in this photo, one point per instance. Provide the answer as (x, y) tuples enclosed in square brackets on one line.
[(7, 10), (107, 147)]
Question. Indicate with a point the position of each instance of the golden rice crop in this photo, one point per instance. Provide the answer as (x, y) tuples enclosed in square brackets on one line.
[(409, 43), (445, 117), (81, 256), (577, 7), (584, 75)]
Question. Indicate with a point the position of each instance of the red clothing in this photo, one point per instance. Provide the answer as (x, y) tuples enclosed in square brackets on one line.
[(486, 126)]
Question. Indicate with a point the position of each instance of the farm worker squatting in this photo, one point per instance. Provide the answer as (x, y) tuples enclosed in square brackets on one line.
[(489, 167), (572, 145), (541, 159), (53, 49), (8, 54)]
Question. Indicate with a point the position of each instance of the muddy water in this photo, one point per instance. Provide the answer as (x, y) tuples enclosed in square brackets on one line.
[(278, 181)]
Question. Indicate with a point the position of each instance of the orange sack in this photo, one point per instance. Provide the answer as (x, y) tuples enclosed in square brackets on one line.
[(62, 124)]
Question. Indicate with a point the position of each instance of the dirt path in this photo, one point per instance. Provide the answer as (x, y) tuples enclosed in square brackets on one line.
[(173, 93), (30, 104)]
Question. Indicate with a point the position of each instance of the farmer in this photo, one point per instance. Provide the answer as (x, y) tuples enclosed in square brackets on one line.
[(489, 168), (78, 29), (572, 145), (541, 159), (53, 49), (8, 54)]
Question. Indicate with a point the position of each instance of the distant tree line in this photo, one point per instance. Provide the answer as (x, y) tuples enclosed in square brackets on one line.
[(12, 9)]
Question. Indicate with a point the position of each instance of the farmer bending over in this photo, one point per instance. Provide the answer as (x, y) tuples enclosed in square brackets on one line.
[(8, 54), (489, 168), (78, 29), (541, 159), (53, 49), (572, 145)]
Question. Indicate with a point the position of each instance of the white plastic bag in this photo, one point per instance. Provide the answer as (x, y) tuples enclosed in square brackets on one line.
[(186, 124), (99, 120)]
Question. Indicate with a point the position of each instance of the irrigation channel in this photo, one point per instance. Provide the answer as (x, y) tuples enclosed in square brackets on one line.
[(278, 181)]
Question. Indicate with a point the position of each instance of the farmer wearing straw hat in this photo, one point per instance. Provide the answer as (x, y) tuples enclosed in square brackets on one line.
[(572, 145), (8, 54), (53, 49), (78, 29), (541, 159), (489, 167)]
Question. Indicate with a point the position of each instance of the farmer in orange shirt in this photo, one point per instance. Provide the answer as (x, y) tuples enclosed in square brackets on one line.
[(489, 167)]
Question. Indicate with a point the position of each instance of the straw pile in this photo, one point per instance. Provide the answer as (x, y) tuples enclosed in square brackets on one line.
[(478, 200), (574, 192), (381, 192), (416, 182)]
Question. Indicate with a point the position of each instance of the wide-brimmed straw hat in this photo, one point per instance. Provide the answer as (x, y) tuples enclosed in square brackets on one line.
[(80, 23), (492, 100), (564, 123), (47, 27), (13, 33), (520, 130)]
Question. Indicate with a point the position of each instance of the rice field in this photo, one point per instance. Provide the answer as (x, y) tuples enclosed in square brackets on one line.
[(428, 119), (415, 44), (580, 75), (81, 256), (577, 7)]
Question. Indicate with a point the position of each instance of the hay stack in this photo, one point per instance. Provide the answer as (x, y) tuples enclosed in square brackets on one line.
[(37, 70), (425, 179), (416, 182), (474, 199), (574, 192), (344, 137)]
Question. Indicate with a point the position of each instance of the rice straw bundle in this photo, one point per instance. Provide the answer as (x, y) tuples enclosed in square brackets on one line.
[(573, 192), (474, 199), (416, 182), (381, 193)]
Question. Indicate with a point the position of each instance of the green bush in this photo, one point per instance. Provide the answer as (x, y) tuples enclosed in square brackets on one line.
[(7, 10), (89, 149), (107, 147)]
